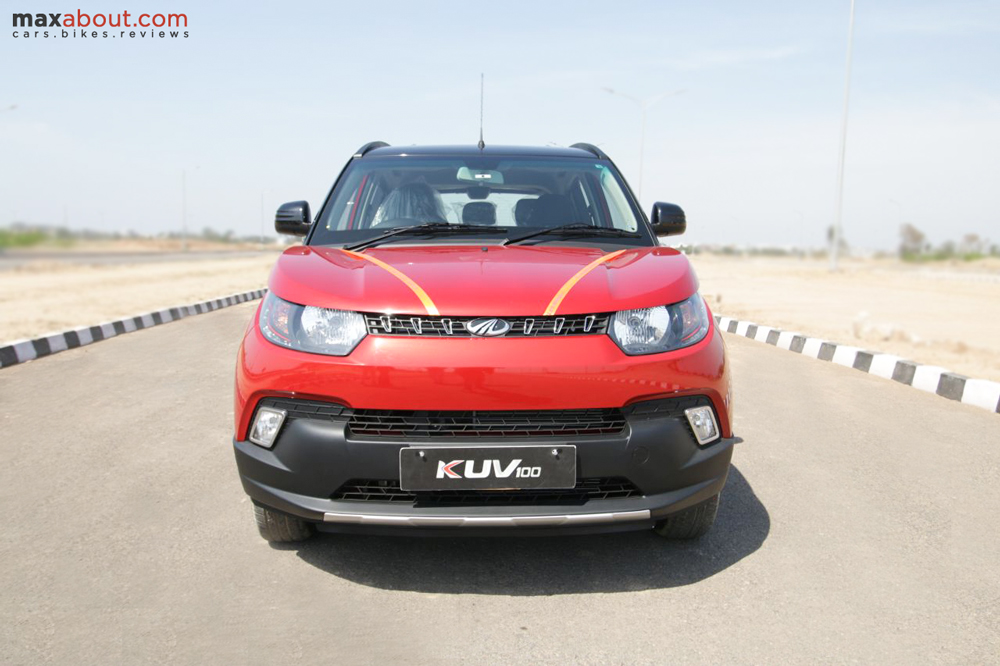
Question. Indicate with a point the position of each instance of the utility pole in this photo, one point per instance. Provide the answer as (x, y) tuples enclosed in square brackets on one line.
[(836, 236), (261, 221)]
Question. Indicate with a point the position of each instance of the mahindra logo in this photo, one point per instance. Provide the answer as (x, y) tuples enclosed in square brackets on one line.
[(487, 328), (488, 468)]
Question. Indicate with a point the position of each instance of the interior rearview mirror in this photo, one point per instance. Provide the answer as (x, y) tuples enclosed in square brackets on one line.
[(668, 219), (483, 176), (293, 218)]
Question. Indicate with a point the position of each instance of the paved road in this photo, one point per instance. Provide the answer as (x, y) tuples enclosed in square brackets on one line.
[(16, 259), (859, 523)]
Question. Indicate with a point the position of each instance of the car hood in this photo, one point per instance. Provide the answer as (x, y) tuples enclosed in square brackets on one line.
[(473, 280)]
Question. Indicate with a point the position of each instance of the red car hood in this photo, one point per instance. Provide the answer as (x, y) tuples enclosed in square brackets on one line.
[(464, 280)]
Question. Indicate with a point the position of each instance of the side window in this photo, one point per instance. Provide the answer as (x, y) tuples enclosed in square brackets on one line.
[(621, 213), (341, 215), (356, 212), (370, 201), (337, 222), (582, 203)]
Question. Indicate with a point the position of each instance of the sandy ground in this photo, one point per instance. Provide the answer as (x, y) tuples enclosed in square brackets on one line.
[(941, 314), (49, 296)]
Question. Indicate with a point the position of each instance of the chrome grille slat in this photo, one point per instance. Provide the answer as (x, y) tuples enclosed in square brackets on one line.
[(454, 327)]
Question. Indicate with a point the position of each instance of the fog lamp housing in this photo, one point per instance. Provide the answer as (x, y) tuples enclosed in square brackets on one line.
[(266, 425), (703, 424)]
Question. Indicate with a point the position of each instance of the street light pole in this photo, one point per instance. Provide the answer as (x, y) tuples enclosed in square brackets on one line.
[(644, 106), (261, 221), (835, 238)]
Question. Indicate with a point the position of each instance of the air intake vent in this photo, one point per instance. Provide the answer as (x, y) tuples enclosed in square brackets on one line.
[(373, 490), (395, 424)]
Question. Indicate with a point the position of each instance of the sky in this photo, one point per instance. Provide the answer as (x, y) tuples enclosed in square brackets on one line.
[(266, 102)]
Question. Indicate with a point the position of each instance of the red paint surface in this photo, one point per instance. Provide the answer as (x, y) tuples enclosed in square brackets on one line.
[(481, 373), (465, 281)]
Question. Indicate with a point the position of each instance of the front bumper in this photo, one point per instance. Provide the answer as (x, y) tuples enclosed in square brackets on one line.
[(656, 452), (401, 373)]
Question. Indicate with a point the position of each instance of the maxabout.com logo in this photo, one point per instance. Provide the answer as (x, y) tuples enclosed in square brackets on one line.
[(83, 25)]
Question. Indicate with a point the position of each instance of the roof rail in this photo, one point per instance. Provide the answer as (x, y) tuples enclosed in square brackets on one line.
[(371, 145), (591, 148)]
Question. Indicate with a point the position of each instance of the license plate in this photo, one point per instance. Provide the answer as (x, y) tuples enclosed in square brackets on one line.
[(487, 467)]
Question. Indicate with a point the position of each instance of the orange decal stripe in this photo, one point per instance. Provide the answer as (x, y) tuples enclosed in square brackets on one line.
[(580, 274), (402, 277)]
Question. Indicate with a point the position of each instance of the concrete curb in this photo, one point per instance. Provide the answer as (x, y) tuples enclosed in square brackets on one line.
[(978, 392), (26, 350)]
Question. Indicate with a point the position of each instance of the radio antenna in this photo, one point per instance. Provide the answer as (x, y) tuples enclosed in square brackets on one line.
[(482, 144)]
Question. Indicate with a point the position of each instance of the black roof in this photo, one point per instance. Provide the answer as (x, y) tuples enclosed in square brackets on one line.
[(493, 151)]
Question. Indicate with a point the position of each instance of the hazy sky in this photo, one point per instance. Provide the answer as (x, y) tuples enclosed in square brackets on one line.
[(273, 99)]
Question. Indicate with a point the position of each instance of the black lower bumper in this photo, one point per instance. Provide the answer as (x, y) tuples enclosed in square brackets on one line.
[(314, 458)]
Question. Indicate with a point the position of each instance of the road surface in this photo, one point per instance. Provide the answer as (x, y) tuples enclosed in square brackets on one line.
[(859, 523)]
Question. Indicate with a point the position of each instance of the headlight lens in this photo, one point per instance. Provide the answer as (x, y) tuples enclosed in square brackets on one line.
[(660, 329), (311, 329)]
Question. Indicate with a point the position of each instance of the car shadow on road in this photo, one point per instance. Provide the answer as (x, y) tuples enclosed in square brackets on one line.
[(546, 565)]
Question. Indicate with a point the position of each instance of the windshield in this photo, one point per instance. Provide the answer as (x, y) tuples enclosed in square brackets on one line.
[(510, 196)]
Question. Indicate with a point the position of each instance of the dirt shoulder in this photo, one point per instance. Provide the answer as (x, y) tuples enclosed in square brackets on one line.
[(944, 315), (47, 296)]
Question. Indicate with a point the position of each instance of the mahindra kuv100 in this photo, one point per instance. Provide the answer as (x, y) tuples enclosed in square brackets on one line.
[(482, 340)]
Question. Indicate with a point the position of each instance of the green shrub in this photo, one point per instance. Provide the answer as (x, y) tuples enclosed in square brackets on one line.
[(12, 239)]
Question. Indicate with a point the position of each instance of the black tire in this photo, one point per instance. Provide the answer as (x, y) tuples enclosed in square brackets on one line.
[(690, 523), (280, 528)]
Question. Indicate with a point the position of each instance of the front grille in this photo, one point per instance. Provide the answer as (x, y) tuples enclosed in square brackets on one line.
[(455, 327), (485, 424), (373, 490)]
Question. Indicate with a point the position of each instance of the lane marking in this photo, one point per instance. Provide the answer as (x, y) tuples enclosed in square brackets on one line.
[(402, 277), (561, 294)]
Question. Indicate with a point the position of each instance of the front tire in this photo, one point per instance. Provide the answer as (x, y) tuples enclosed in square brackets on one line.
[(279, 527), (690, 523)]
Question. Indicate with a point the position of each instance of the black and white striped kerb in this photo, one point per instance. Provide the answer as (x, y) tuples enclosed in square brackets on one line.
[(930, 378), (27, 350)]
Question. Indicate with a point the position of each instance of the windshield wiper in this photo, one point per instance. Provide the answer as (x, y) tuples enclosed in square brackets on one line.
[(429, 227), (576, 229)]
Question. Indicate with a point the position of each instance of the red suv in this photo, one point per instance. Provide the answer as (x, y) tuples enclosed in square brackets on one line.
[(482, 340)]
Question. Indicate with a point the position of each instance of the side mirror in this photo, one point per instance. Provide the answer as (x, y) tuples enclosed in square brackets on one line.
[(293, 218), (668, 219)]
